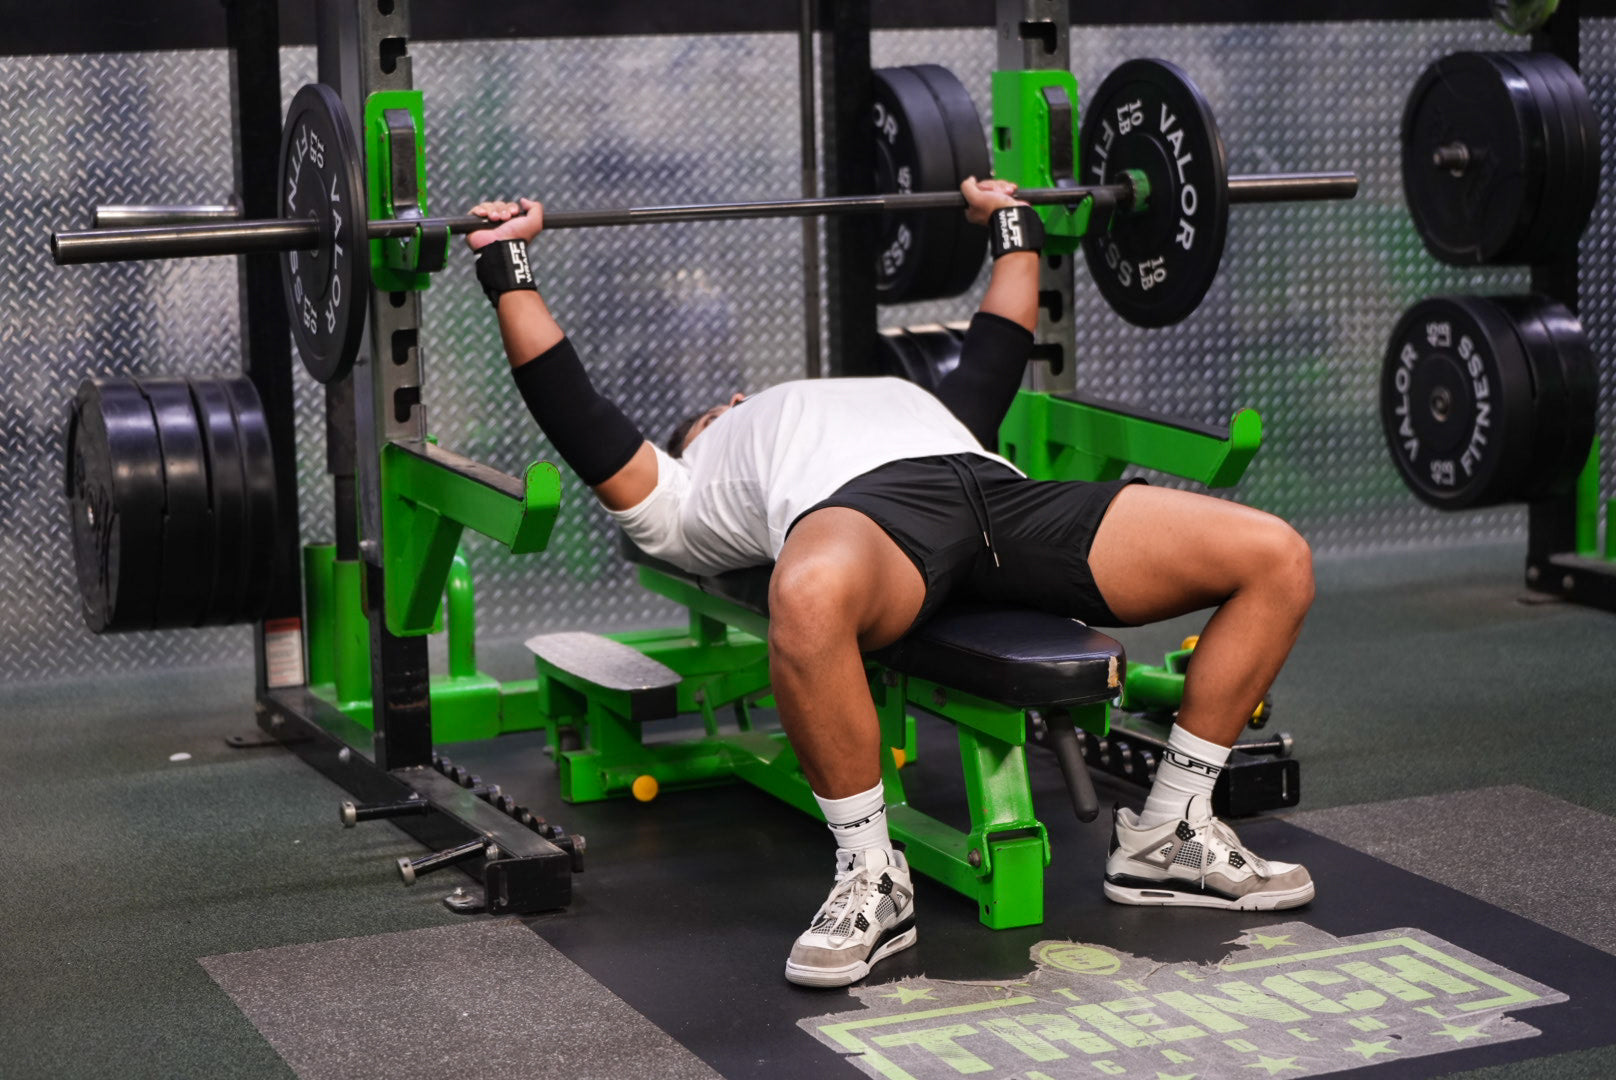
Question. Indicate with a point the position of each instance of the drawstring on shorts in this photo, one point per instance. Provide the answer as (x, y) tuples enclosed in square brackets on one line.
[(978, 501)]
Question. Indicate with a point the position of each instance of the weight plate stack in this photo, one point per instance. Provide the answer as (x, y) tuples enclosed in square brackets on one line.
[(1154, 266), (1546, 230), (1473, 159), (971, 158), (1487, 400), (327, 289), (1500, 158), (172, 499), (1565, 380), (928, 138), (1575, 123)]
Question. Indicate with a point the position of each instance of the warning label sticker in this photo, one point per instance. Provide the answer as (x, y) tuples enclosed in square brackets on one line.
[(283, 653), (1289, 1000)]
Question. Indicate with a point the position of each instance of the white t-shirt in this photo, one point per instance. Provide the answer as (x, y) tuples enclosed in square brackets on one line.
[(752, 472)]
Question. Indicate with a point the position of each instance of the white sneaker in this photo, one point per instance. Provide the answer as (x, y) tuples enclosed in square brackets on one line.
[(869, 915), (1196, 862)]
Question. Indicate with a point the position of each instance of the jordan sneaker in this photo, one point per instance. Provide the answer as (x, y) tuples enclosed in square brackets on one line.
[(1196, 861), (869, 915)]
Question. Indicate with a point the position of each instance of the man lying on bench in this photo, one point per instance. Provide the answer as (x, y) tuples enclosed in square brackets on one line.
[(877, 502)]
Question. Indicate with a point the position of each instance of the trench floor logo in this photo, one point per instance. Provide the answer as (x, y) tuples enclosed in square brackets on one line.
[(1288, 1001)]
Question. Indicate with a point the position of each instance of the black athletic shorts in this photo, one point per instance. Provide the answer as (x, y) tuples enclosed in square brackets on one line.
[(977, 530)]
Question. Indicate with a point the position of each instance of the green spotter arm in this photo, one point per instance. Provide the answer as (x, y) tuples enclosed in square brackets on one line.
[(1073, 436), (395, 165), (1035, 129), (429, 496)]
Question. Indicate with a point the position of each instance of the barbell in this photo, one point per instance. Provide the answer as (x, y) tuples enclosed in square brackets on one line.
[(1147, 172), (308, 234)]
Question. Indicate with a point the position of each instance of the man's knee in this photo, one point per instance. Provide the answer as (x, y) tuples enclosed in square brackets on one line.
[(1284, 560), (812, 606)]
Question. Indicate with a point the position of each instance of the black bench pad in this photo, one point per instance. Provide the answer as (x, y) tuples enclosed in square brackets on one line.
[(1013, 656)]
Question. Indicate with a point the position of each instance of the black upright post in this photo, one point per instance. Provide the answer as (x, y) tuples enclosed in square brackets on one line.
[(808, 136), (1035, 35), (1552, 523), (253, 28), (341, 463), (850, 244), (362, 49)]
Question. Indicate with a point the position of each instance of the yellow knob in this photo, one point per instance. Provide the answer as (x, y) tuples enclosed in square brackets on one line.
[(1190, 642), (899, 758), (645, 788)]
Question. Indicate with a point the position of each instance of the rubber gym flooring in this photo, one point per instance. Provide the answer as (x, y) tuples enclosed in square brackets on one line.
[(209, 917)]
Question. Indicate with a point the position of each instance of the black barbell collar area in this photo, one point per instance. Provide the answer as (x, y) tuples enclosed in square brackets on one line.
[(245, 237)]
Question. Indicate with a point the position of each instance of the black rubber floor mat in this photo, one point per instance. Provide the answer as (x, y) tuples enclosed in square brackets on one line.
[(690, 904)]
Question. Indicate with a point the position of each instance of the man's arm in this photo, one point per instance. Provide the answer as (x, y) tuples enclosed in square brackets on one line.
[(590, 433), (1013, 289), (980, 390)]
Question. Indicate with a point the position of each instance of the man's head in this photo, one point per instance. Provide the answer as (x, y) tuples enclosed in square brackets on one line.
[(685, 432)]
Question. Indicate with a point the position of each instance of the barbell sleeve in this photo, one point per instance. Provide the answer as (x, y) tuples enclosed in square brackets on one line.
[(283, 234), (128, 216), (184, 241), (1292, 187)]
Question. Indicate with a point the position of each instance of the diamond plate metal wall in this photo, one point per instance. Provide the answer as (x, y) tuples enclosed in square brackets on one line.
[(674, 317)]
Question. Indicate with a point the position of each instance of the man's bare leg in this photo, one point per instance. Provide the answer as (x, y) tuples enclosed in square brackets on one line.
[(839, 587), (1160, 553)]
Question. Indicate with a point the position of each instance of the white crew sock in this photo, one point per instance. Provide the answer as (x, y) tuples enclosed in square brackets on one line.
[(859, 821), (1189, 767)]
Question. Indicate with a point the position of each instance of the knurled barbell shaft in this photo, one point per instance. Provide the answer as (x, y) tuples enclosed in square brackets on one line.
[(282, 234)]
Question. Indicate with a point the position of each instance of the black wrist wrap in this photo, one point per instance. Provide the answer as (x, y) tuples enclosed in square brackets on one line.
[(1015, 228), (590, 433), (502, 267)]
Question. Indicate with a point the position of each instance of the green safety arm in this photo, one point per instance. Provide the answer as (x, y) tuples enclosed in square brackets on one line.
[(429, 496), (395, 159), (1077, 437), (1035, 128)]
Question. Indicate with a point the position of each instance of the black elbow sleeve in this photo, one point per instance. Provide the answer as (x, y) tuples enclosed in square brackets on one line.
[(590, 433), (980, 390)]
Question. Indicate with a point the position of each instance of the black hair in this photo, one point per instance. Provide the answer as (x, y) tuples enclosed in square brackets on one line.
[(675, 445)]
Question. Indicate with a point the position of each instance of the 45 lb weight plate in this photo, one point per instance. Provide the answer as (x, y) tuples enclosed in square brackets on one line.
[(115, 496), (327, 288), (1487, 400), (1500, 158)]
